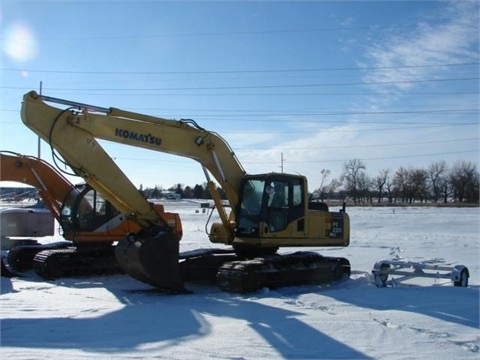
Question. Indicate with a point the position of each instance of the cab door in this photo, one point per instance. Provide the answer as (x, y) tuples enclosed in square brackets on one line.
[(283, 210)]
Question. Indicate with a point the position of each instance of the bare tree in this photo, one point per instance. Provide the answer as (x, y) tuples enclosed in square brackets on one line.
[(351, 172), (379, 183), (436, 176), (400, 181), (322, 189), (464, 179), (334, 185), (418, 185), (445, 189), (364, 185)]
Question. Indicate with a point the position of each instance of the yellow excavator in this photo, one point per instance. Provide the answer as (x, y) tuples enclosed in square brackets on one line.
[(267, 211), (90, 224)]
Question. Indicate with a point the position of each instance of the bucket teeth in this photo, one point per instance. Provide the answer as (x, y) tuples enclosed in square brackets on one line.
[(152, 260)]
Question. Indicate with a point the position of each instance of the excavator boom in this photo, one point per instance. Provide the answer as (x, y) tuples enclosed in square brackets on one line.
[(74, 131)]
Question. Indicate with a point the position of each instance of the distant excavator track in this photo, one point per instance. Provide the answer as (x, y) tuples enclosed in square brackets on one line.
[(274, 271), (20, 258), (76, 262)]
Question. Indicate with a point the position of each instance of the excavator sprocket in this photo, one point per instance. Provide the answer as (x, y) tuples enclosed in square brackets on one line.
[(152, 260), (274, 271)]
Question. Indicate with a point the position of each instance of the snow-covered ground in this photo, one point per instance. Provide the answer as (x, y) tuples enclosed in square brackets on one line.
[(119, 317)]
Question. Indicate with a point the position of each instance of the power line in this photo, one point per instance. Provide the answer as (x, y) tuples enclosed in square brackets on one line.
[(353, 146), (402, 156), (210, 33), (363, 146), (185, 161), (277, 117), (343, 113), (260, 112), (256, 94), (376, 129), (251, 111), (115, 90), (239, 71)]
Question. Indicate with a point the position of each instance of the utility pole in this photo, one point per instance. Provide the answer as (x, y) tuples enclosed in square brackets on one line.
[(38, 144), (281, 162)]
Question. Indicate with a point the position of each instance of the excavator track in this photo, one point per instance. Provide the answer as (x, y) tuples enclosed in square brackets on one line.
[(201, 265), (20, 258), (274, 271), (147, 260), (76, 262)]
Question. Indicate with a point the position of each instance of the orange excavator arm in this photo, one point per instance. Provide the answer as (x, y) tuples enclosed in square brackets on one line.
[(52, 186), (55, 190)]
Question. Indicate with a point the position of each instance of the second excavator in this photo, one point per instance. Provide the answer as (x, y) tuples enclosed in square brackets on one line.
[(89, 224), (267, 211)]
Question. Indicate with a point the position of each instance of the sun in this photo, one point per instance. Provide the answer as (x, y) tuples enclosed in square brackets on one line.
[(20, 43)]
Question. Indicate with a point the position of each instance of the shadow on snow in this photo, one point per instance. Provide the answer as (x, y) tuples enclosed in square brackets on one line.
[(160, 321)]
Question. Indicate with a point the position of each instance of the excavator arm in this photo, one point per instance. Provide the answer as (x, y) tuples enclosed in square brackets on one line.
[(74, 132), (52, 187)]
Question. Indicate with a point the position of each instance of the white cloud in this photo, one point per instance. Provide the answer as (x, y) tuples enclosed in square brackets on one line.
[(450, 38)]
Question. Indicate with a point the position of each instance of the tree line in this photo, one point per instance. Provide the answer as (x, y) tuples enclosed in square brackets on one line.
[(438, 183), (198, 191)]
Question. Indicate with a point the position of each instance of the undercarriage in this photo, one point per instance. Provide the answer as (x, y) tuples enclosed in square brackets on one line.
[(146, 261), (61, 259)]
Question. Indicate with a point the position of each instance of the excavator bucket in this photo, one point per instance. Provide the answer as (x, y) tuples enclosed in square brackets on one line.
[(153, 260)]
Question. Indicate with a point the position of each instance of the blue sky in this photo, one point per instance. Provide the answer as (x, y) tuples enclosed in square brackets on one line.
[(319, 83)]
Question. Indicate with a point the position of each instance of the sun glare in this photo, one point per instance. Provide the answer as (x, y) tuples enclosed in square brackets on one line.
[(20, 43)]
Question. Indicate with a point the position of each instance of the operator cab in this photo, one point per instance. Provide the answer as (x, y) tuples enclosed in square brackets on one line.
[(85, 209), (269, 203)]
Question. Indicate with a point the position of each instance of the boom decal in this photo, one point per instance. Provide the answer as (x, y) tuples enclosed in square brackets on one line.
[(133, 135)]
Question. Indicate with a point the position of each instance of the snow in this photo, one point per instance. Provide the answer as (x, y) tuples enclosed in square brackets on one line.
[(118, 317)]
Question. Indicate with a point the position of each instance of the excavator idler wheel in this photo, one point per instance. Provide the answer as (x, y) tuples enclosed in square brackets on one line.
[(152, 260)]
